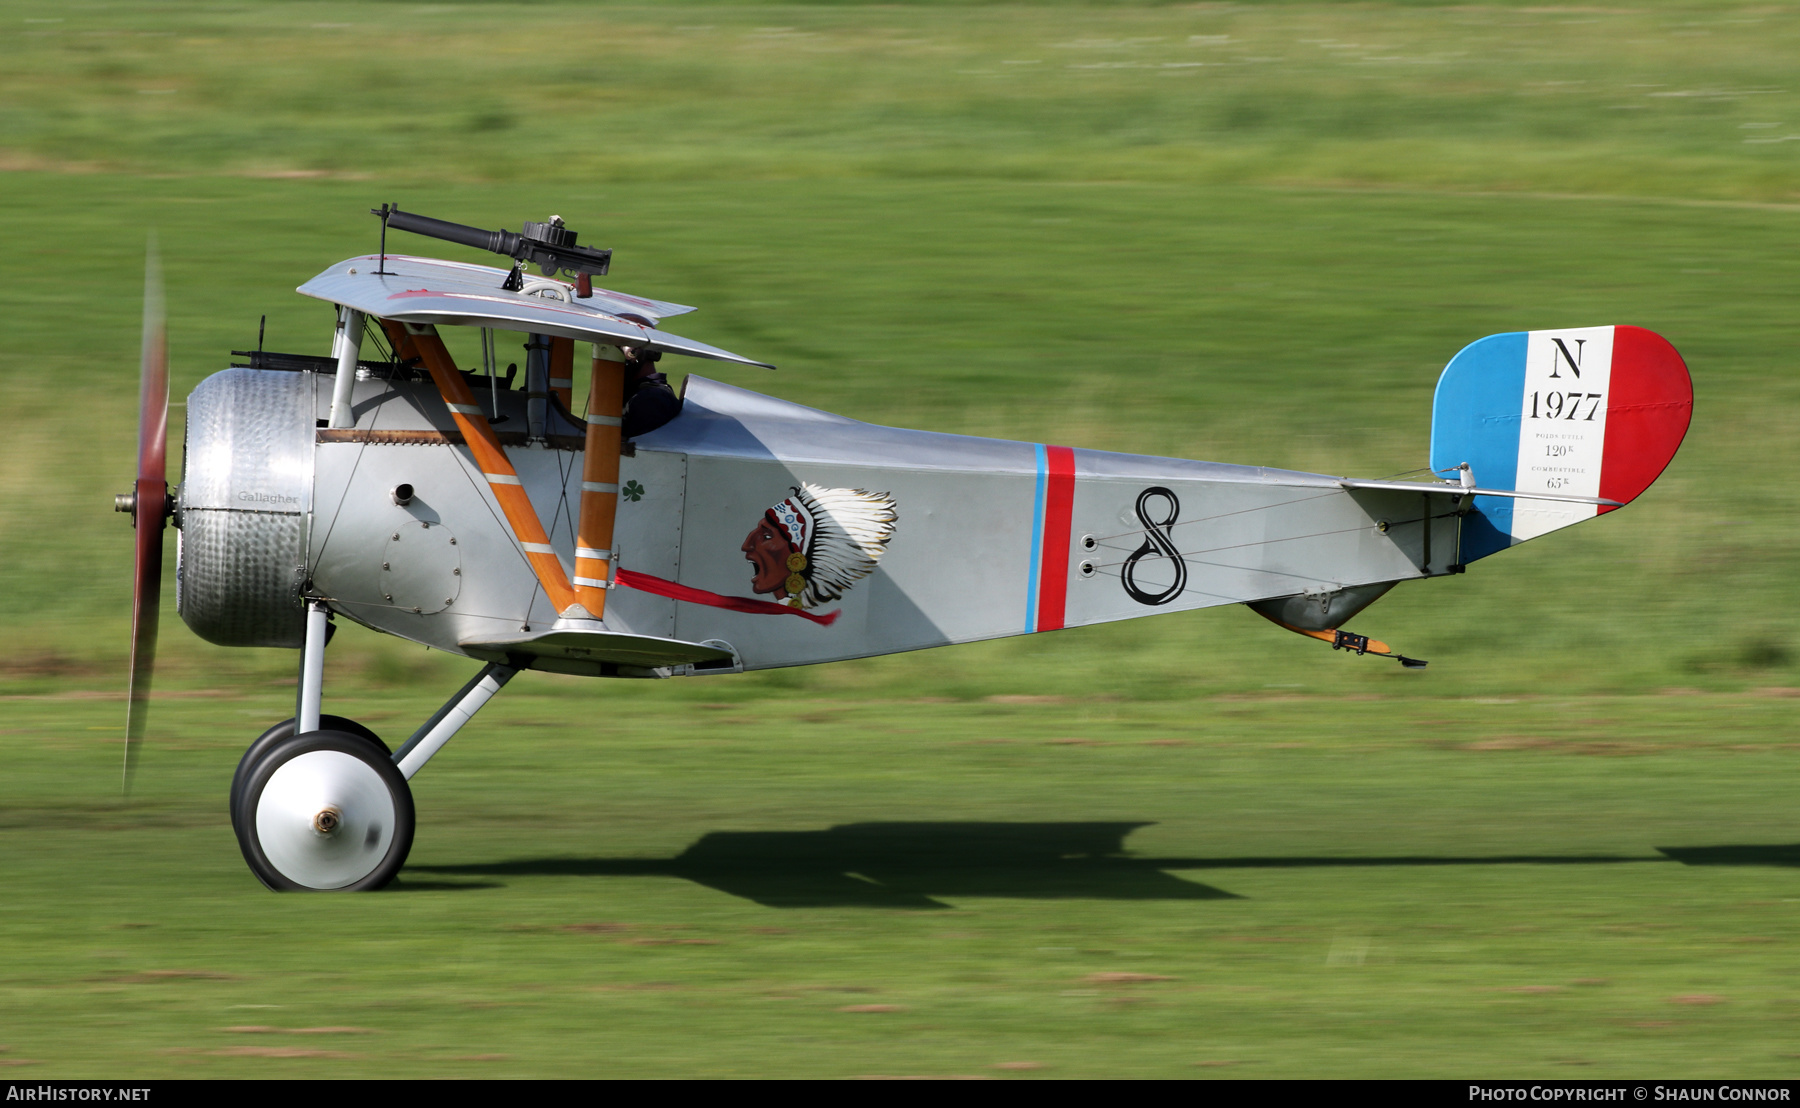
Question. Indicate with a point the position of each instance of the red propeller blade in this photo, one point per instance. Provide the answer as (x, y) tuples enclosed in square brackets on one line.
[(149, 509)]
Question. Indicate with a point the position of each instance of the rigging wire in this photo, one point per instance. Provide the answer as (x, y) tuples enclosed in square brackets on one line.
[(1113, 569), (1105, 540), (1221, 515), (1415, 471), (1287, 538), (1258, 542), (371, 332)]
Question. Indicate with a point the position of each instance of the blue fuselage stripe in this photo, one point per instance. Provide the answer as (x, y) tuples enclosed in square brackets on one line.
[(1037, 540)]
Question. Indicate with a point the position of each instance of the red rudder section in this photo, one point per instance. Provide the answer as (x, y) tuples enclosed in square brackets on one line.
[(1647, 414)]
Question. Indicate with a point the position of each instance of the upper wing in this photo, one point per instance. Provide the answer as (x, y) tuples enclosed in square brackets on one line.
[(426, 290)]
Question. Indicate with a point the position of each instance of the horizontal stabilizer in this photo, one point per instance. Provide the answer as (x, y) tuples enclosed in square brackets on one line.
[(1436, 488)]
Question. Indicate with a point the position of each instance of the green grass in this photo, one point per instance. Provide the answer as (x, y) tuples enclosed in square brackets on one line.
[(1404, 887), (1653, 101), (1530, 854)]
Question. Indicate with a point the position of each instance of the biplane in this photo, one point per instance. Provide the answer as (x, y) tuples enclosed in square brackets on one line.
[(389, 485)]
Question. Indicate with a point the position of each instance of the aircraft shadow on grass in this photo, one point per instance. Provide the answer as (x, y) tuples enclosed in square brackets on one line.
[(909, 865), (893, 865)]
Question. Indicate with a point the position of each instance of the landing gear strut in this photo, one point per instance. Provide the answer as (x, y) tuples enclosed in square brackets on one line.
[(319, 802)]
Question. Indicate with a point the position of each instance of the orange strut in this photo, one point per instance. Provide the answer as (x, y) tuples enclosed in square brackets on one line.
[(490, 457), (599, 478), (562, 370)]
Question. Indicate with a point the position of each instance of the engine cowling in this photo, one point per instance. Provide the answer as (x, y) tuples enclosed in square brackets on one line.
[(245, 507)]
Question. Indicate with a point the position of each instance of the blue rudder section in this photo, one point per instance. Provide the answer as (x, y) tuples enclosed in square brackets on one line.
[(1475, 419)]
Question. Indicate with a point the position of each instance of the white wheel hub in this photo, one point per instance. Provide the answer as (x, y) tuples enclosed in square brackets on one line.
[(325, 819)]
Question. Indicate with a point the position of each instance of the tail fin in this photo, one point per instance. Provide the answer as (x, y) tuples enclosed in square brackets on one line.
[(1592, 411)]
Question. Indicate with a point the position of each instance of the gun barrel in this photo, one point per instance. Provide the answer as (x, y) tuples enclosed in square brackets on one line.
[(500, 242), (550, 245)]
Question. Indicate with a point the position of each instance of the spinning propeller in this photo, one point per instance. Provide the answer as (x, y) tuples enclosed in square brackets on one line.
[(148, 505)]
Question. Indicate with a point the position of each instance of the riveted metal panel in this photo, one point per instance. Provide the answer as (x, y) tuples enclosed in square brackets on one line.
[(237, 579), (250, 442)]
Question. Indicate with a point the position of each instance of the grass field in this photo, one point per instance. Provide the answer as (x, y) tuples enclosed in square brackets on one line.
[(1184, 846)]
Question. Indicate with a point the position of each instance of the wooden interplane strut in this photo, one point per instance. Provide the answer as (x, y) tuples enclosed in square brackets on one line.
[(594, 554), (562, 370), (422, 341)]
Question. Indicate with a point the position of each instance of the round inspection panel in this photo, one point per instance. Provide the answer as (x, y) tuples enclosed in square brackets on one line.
[(421, 568)]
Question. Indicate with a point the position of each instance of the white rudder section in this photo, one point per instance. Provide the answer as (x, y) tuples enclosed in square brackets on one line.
[(1562, 426)]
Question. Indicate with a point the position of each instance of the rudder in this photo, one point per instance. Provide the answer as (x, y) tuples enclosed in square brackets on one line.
[(1592, 411)]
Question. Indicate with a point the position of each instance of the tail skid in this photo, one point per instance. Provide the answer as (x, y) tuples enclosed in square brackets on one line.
[(1345, 640)]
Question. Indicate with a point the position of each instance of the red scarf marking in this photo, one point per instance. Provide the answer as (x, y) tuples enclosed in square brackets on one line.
[(644, 582)]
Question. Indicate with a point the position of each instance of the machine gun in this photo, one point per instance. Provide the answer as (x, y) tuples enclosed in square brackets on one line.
[(549, 245)]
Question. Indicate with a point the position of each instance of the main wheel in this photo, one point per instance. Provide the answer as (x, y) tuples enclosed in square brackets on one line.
[(325, 810), (274, 735)]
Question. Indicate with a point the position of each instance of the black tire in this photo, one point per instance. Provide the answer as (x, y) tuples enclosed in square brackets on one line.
[(320, 858), (281, 731)]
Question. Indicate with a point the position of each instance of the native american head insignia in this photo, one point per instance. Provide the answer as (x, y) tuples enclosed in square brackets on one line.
[(813, 546)]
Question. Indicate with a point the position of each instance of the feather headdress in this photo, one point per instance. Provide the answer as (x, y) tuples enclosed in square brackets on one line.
[(837, 536)]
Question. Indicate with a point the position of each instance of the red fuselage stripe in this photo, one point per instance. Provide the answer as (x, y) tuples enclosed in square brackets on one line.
[(1059, 506)]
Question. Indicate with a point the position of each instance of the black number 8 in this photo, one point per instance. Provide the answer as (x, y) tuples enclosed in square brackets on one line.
[(1157, 544)]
